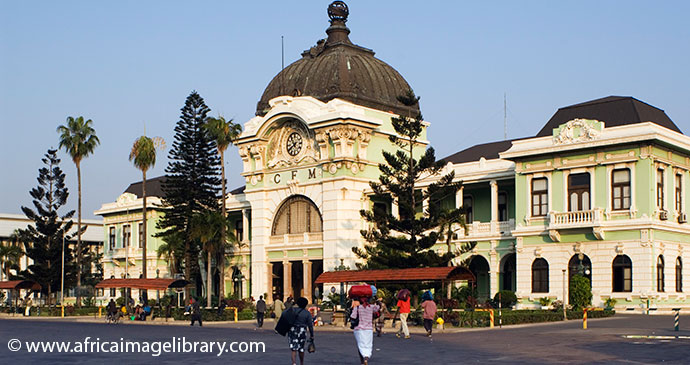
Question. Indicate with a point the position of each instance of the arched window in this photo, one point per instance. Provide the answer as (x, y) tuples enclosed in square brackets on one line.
[(297, 214), (679, 274), (540, 276), (622, 274), (660, 273)]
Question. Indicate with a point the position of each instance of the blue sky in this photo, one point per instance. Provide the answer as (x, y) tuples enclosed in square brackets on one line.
[(124, 64)]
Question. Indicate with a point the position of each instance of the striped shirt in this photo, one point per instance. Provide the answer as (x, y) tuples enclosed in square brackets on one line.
[(366, 316)]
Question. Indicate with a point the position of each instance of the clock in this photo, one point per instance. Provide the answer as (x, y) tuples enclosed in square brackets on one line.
[(294, 144)]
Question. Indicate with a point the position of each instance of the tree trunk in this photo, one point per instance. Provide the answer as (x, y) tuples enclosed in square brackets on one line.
[(208, 278), (221, 262), (187, 265), (79, 256), (144, 237)]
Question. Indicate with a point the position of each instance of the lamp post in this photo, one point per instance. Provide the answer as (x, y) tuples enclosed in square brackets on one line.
[(158, 292), (342, 267), (62, 278), (565, 316)]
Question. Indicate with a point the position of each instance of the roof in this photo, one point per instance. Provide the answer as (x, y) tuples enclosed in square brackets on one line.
[(153, 284), (613, 111), (487, 150), (337, 68), (236, 191), (396, 275), (153, 187), (11, 222), (20, 284)]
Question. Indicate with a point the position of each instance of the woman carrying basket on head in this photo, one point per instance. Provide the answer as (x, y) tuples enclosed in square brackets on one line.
[(363, 317)]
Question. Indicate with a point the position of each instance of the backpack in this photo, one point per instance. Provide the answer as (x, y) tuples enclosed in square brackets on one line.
[(286, 321)]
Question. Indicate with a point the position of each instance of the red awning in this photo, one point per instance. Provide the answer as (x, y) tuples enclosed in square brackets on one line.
[(20, 284), (153, 284), (396, 275)]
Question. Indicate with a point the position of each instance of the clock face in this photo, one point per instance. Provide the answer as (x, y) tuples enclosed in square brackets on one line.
[(294, 144)]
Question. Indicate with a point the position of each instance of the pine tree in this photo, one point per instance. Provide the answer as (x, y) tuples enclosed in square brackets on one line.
[(192, 180), (405, 241), (44, 238)]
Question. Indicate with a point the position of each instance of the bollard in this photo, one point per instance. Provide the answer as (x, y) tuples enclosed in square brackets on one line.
[(62, 310), (584, 319), (99, 312), (491, 318), (235, 313), (676, 320)]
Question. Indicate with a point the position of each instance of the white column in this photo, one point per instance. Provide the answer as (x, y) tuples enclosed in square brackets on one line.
[(287, 279), (394, 209), (245, 225), (494, 205), (269, 292), (494, 265), (306, 279), (459, 196)]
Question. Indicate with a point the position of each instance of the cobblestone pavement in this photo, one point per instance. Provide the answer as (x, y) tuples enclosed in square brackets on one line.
[(624, 339)]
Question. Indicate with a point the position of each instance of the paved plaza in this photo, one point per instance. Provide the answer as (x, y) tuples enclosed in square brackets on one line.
[(636, 339)]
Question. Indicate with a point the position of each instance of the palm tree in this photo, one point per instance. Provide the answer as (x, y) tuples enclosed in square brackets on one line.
[(79, 140), (211, 229), (11, 254), (143, 155), (224, 133)]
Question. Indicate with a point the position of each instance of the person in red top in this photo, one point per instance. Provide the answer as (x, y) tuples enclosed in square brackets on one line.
[(404, 309)]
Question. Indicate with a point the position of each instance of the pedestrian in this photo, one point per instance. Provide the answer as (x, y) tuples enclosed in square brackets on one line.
[(112, 309), (381, 321), (404, 310), (28, 303), (297, 336), (260, 309), (278, 306), (429, 307), (221, 307), (289, 302), (195, 312), (364, 332)]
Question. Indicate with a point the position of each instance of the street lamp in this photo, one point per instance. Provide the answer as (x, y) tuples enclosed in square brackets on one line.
[(62, 278), (158, 292), (565, 316)]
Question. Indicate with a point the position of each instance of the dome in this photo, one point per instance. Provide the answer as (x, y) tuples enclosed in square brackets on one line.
[(337, 68)]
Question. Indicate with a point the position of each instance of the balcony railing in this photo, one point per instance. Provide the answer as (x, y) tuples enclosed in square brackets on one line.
[(296, 238), (477, 229), (581, 218), (123, 252)]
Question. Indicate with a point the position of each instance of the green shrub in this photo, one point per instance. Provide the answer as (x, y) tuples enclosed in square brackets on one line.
[(580, 292), (610, 303), (545, 301), (508, 299)]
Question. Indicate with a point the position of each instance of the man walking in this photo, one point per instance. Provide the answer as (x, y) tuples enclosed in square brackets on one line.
[(260, 310), (278, 306), (195, 312)]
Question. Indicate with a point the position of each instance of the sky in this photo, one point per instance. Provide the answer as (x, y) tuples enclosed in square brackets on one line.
[(129, 66)]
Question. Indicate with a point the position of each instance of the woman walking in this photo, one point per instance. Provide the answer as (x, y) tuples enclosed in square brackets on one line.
[(381, 321), (429, 307), (297, 336), (364, 331)]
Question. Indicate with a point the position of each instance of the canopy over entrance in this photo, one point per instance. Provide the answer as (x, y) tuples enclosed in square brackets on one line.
[(445, 273), (153, 284), (20, 284)]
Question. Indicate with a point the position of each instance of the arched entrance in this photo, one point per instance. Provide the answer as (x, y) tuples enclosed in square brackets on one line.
[(508, 272), (296, 218), (480, 269), (580, 264)]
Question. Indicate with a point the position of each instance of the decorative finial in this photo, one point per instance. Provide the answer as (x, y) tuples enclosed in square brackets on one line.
[(338, 11)]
